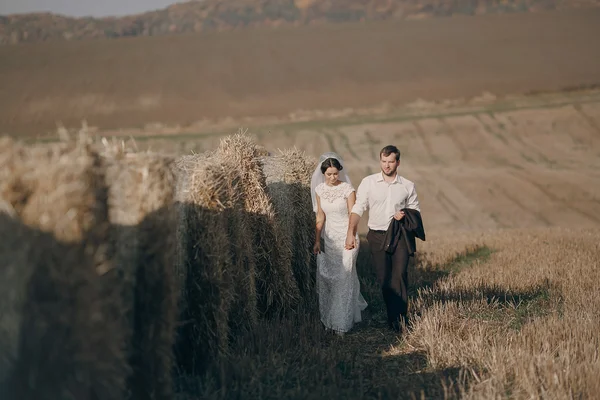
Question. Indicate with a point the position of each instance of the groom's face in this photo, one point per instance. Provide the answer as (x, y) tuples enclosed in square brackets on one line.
[(389, 164)]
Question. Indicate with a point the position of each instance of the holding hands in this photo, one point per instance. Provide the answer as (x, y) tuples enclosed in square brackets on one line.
[(350, 241), (317, 247)]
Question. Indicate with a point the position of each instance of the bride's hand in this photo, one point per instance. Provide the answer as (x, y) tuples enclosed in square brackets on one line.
[(350, 241), (317, 248)]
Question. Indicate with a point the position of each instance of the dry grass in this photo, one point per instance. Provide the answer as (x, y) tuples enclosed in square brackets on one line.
[(509, 314), (141, 197), (525, 324), (64, 323)]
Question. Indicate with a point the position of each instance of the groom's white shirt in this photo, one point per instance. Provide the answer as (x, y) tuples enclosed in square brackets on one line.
[(384, 199)]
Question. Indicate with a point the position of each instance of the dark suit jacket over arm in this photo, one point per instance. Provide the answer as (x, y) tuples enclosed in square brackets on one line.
[(408, 228)]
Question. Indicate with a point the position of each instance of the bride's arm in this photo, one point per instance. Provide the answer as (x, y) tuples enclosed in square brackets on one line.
[(319, 225), (352, 222), (351, 201)]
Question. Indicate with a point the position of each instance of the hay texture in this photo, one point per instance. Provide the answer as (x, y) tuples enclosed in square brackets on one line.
[(272, 277), (61, 337), (288, 175), (142, 189), (207, 195)]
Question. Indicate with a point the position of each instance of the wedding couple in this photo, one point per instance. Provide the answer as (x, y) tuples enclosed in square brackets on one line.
[(394, 222)]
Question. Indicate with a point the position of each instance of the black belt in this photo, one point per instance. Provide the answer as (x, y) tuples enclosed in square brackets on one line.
[(380, 232)]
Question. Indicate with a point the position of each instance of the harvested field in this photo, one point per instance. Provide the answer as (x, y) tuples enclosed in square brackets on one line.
[(504, 314), (117, 84)]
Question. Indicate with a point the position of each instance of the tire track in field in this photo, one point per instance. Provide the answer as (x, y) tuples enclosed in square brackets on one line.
[(444, 201), (529, 210), (346, 143), (553, 197), (580, 137), (464, 154), (591, 122), (372, 142), (524, 145), (448, 205), (496, 134), (426, 144), (329, 140), (494, 217), (493, 132)]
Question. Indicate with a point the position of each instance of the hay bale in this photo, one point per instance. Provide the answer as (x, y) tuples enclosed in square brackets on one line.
[(277, 290), (143, 227), (65, 338), (207, 194), (15, 272), (288, 177)]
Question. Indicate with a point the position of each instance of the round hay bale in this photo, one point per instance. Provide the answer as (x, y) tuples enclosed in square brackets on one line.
[(277, 290), (207, 194), (55, 250), (143, 234), (288, 177)]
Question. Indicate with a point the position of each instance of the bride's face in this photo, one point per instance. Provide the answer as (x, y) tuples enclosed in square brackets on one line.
[(331, 175)]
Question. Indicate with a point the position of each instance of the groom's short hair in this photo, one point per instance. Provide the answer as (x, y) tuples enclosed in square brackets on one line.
[(389, 149)]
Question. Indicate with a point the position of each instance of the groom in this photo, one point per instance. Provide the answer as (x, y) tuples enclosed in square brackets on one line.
[(386, 194)]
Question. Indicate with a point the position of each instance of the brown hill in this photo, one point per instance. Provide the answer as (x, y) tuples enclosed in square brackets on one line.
[(219, 15)]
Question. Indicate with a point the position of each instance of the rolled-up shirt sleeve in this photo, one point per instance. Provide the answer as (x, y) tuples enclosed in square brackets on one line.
[(361, 198), (412, 200)]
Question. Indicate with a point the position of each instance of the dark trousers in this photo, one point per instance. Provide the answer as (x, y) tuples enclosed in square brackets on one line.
[(392, 276)]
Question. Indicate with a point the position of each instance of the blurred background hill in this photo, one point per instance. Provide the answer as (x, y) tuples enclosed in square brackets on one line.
[(219, 15)]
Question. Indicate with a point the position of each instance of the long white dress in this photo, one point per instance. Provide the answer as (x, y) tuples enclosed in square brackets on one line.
[(340, 300)]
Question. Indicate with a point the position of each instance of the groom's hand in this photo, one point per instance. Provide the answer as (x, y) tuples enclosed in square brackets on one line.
[(399, 215), (350, 241)]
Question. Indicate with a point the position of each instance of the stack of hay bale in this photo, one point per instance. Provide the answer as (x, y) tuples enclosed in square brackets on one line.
[(240, 257), (62, 333), (288, 177), (89, 303), (142, 214), (109, 258)]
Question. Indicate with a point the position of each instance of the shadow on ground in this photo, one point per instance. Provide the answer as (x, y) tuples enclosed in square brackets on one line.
[(296, 358)]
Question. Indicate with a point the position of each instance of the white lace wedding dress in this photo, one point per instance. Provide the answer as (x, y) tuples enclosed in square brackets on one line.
[(340, 300)]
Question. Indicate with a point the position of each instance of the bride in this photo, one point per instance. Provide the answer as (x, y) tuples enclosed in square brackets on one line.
[(340, 300)]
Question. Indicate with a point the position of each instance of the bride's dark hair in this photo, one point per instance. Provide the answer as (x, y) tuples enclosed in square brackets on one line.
[(331, 162)]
